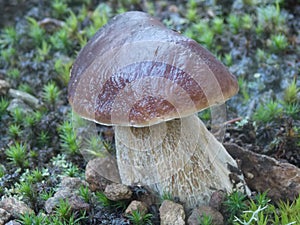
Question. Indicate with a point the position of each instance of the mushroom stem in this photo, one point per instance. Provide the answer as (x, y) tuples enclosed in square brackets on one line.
[(180, 157)]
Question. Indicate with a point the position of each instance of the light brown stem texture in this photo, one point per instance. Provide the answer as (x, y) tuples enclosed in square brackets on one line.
[(180, 157)]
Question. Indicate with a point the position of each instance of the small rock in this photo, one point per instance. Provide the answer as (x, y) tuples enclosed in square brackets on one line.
[(54, 201), (4, 216), (72, 183), (100, 172), (171, 213), (77, 203), (263, 173), (13, 222), (68, 191), (116, 192), (136, 205), (19, 104), (15, 207), (4, 87), (173, 8), (51, 24), (198, 213), (217, 199), (25, 97)]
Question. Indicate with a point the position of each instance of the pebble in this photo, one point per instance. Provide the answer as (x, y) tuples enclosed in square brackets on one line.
[(68, 191), (4, 216), (116, 192), (13, 222), (15, 207), (136, 205), (171, 213), (100, 172), (19, 104), (25, 97), (4, 87), (217, 199)]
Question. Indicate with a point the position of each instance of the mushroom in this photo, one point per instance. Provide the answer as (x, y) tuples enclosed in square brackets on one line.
[(149, 82)]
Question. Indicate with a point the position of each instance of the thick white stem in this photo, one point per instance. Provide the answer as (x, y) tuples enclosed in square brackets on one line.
[(180, 157)]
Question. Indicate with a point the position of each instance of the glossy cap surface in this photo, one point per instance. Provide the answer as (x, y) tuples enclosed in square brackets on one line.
[(137, 72)]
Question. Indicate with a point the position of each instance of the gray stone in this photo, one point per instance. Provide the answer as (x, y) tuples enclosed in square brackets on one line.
[(100, 172), (15, 207), (198, 213), (4, 216), (68, 191), (78, 204), (263, 173), (52, 202), (51, 24), (19, 104), (217, 199), (136, 205), (13, 222), (25, 97), (4, 87), (116, 192), (171, 213), (72, 183)]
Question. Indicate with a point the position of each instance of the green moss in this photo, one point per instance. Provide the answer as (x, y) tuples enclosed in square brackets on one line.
[(63, 70), (25, 87), (270, 18), (43, 51), (35, 31), (191, 15), (8, 55), (247, 22), (228, 60), (244, 90), (140, 218), (8, 37), (167, 196), (218, 25), (3, 106), (68, 139), (100, 16), (72, 23), (14, 73), (268, 112), (43, 138), (291, 93), (14, 131), (84, 192), (260, 210), (235, 204), (17, 155), (60, 41), (29, 121), (234, 23), (107, 203), (60, 8), (51, 93), (279, 43), (205, 220)]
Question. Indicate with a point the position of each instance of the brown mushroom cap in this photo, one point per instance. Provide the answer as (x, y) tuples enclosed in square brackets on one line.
[(137, 72)]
